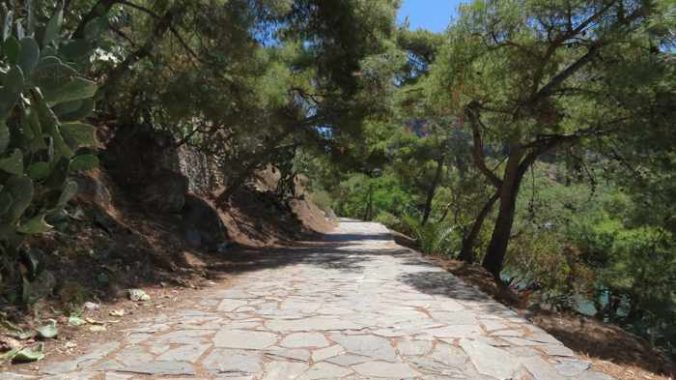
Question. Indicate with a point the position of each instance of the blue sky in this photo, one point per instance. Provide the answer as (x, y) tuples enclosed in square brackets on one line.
[(434, 15)]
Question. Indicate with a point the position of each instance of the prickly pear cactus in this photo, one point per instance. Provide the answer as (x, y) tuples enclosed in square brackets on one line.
[(42, 100)]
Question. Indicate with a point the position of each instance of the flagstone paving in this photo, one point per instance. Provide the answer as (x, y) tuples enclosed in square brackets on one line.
[(356, 307)]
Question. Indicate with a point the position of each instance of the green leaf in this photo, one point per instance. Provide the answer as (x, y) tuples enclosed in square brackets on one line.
[(36, 225), (53, 27), (76, 89), (75, 49), (27, 355), (51, 74), (79, 134), (5, 202), (38, 170), (33, 260), (7, 25), (9, 93), (9, 355), (15, 331), (29, 55), (48, 331), (33, 129), (58, 175), (84, 162), (50, 124), (14, 79), (20, 188), (69, 191), (73, 111), (11, 48), (76, 321), (4, 136), (13, 164), (66, 108)]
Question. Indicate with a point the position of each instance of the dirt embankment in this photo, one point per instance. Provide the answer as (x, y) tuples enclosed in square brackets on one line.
[(143, 222)]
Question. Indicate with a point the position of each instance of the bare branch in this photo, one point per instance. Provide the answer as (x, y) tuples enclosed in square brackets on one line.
[(477, 146), (172, 29)]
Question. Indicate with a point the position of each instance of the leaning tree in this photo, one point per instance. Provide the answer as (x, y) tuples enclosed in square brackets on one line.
[(529, 77)]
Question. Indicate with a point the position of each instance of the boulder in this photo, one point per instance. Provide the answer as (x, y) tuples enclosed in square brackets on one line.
[(166, 192), (202, 225)]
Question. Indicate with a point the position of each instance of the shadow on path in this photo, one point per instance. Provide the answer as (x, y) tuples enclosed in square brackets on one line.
[(341, 251)]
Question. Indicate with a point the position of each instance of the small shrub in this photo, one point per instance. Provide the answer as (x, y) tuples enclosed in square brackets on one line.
[(389, 220), (322, 199), (433, 238)]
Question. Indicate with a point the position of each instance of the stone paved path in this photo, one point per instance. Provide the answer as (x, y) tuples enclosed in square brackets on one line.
[(357, 307)]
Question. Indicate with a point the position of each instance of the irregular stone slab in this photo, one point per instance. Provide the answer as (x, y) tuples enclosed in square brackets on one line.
[(229, 305), (133, 355), (449, 356), (188, 353), (489, 360), (515, 341), (384, 369), (299, 340), (508, 333), (233, 362), (366, 345), (328, 352), (571, 368), (454, 331), (408, 347), (287, 353), (233, 294), (462, 317), (312, 324), (540, 369), (60, 367), (557, 350), (284, 370), (523, 352), (136, 338), (591, 375), (98, 353), (156, 367), (186, 337), (346, 360), (117, 376), (324, 370), (492, 325), (107, 365), (431, 367), (17, 376), (245, 339)]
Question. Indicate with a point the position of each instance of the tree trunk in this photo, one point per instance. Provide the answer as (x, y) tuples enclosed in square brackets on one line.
[(432, 190), (368, 211), (497, 248), (469, 240)]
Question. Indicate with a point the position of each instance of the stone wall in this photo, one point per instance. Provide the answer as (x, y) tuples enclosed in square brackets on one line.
[(202, 172)]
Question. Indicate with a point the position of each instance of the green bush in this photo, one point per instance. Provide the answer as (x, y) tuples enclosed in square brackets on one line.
[(322, 199), (433, 238), (361, 196), (389, 220), (42, 99)]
